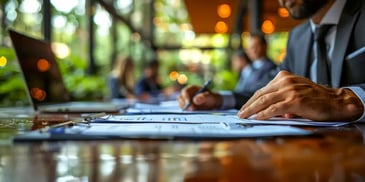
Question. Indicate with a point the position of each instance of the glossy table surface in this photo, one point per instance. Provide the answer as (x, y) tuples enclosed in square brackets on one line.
[(335, 154)]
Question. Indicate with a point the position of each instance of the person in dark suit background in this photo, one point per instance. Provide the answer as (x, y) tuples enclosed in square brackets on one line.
[(148, 86), (294, 91), (261, 63)]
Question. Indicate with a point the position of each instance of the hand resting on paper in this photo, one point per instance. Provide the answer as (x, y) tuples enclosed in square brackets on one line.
[(289, 95)]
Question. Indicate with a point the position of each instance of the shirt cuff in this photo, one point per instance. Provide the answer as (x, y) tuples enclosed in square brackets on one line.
[(228, 100), (360, 93)]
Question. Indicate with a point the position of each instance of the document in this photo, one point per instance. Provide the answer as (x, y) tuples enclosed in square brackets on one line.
[(170, 107), (171, 112), (210, 118), (166, 118), (294, 122), (167, 126), (162, 131), (211, 130)]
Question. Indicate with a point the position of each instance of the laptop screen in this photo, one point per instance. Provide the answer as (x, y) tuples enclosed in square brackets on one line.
[(40, 70)]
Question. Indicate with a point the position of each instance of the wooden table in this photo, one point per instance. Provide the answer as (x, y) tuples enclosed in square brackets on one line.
[(338, 154)]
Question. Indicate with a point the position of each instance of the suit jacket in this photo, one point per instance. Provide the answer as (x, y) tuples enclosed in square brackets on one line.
[(349, 37), (257, 74)]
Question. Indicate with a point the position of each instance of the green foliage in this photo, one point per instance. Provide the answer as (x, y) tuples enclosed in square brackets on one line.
[(12, 87), (225, 80), (277, 46), (81, 85), (86, 87)]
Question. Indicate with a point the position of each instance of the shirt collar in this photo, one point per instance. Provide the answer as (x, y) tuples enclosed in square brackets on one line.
[(258, 63), (332, 16)]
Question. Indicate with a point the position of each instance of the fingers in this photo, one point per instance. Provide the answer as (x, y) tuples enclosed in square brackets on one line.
[(181, 101), (267, 102), (270, 87), (277, 109), (200, 99), (263, 103), (186, 95), (205, 100)]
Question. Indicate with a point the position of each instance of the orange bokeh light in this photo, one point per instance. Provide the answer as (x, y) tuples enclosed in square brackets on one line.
[(43, 65), (182, 79), (283, 12), (38, 94), (221, 27), (173, 75), (268, 27), (224, 10)]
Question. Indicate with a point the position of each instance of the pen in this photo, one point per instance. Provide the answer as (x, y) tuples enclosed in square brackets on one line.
[(86, 120), (201, 90), (48, 128)]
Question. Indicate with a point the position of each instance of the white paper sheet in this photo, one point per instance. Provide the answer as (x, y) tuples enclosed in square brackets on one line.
[(292, 121), (211, 130), (167, 118), (162, 131), (211, 118), (171, 107)]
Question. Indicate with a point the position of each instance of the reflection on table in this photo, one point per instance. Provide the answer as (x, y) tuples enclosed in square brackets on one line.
[(336, 154)]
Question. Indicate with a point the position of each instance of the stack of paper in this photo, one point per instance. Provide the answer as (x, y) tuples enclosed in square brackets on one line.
[(174, 123)]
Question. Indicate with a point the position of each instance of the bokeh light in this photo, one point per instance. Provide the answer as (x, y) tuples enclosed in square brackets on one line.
[(173, 75), (224, 10), (61, 50), (63, 6), (268, 27), (221, 27), (30, 6), (38, 94), (43, 65), (182, 79), (3, 61), (283, 12)]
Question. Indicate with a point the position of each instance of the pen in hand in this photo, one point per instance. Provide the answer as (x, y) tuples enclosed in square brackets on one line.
[(201, 90)]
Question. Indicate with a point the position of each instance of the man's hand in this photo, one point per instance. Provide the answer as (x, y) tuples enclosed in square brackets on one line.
[(203, 101), (289, 95)]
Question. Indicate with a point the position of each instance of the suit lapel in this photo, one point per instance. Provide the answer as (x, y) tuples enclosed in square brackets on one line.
[(344, 28)]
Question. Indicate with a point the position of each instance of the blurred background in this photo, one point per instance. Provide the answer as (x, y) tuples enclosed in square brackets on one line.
[(192, 39)]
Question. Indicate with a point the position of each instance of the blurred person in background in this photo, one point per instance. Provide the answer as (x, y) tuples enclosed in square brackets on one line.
[(148, 86), (261, 63), (121, 79), (255, 76), (241, 64)]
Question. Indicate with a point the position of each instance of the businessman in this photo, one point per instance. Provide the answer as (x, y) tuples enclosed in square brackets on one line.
[(317, 81), (261, 63)]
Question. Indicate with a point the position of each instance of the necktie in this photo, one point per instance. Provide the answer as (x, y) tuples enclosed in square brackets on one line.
[(323, 74)]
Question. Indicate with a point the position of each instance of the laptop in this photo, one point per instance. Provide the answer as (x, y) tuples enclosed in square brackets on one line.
[(45, 87)]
